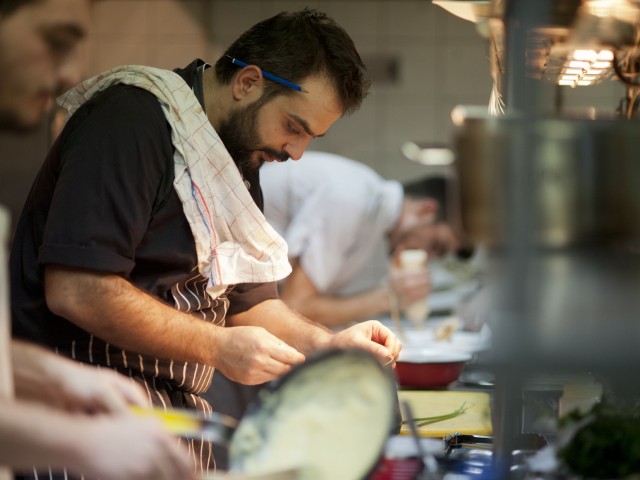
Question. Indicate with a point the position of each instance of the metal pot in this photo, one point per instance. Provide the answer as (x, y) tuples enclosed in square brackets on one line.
[(558, 204), (577, 181)]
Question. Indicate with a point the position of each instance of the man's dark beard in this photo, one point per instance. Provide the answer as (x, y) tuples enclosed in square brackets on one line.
[(239, 133), (11, 123)]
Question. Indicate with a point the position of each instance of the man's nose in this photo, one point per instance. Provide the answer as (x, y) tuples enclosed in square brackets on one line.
[(296, 150), (69, 73)]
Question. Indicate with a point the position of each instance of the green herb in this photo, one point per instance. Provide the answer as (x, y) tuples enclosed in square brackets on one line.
[(607, 446), (422, 421)]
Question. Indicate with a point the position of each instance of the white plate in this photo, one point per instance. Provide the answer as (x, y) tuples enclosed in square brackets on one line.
[(460, 340), (429, 355)]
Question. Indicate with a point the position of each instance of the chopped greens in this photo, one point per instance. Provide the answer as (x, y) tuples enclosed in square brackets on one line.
[(607, 445), (422, 421)]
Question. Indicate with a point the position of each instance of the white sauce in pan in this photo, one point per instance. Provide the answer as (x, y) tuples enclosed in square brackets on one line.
[(332, 419)]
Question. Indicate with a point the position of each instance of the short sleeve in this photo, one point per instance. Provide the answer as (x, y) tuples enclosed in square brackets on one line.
[(246, 295), (114, 154)]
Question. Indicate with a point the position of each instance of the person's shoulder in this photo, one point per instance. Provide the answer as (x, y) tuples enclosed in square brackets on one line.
[(121, 108), (127, 98)]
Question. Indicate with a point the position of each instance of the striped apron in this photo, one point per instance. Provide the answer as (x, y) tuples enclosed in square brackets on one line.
[(168, 383)]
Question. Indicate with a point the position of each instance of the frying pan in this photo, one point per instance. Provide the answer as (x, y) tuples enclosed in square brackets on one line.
[(330, 417)]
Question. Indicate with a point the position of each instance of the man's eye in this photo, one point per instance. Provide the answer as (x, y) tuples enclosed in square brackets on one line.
[(292, 129), (59, 45)]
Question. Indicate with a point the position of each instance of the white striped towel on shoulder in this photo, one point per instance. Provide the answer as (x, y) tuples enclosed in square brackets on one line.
[(234, 242)]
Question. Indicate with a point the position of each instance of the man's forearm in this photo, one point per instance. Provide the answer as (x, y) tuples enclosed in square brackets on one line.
[(283, 322), (114, 310), (335, 312)]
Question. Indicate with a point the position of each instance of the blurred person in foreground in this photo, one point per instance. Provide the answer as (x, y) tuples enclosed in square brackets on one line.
[(345, 226), (62, 413), (144, 231)]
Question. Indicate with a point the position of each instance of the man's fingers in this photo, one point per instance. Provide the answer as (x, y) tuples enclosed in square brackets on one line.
[(286, 354)]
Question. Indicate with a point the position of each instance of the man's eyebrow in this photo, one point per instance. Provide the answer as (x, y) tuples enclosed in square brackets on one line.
[(75, 30), (70, 29), (305, 126)]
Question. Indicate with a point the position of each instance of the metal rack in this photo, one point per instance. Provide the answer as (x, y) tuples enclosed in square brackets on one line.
[(555, 199)]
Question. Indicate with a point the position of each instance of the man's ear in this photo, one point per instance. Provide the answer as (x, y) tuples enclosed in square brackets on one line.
[(428, 207), (247, 82)]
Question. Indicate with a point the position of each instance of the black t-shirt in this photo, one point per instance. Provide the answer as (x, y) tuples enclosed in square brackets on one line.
[(104, 201)]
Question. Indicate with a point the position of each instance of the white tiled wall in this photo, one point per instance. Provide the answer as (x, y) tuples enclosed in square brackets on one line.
[(161, 33), (442, 63)]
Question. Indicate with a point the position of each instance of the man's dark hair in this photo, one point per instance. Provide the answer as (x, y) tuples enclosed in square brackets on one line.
[(435, 187), (295, 45), (8, 6)]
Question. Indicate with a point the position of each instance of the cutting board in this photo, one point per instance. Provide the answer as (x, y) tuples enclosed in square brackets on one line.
[(476, 420)]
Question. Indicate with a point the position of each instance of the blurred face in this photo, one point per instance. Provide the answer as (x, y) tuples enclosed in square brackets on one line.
[(437, 239), (38, 58), (282, 127)]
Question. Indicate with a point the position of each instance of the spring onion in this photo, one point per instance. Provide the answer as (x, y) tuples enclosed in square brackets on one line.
[(422, 421)]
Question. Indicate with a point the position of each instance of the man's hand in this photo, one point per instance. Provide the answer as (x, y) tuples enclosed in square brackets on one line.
[(108, 447), (371, 336), (409, 286), (252, 355), (87, 389), (41, 375), (118, 447), (437, 239)]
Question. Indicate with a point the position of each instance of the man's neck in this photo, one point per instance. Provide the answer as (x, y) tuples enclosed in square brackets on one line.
[(214, 95)]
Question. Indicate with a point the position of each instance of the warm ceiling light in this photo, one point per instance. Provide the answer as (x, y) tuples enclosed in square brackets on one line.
[(605, 55), (584, 67), (623, 10), (579, 64), (588, 55)]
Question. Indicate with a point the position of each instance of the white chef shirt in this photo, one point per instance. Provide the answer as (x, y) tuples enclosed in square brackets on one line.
[(334, 214)]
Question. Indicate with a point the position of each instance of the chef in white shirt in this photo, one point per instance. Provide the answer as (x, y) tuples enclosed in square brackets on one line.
[(344, 224)]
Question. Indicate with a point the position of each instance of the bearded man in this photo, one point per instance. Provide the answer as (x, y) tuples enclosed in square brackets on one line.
[(142, 246)]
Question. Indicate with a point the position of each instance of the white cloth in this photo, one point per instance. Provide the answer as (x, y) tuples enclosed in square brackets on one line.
[(234, 243), (334, 214)]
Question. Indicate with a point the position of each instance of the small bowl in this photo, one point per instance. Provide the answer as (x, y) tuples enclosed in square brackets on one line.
[(428, 368)]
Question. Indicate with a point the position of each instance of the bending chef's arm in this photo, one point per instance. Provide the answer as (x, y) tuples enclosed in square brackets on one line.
[(300, 293), (117, 312)]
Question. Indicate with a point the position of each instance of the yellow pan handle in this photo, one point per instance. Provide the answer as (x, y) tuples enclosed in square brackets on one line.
[(177, 422)]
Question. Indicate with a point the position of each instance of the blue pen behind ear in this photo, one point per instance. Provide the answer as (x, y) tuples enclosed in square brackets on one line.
[(268, 75)]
